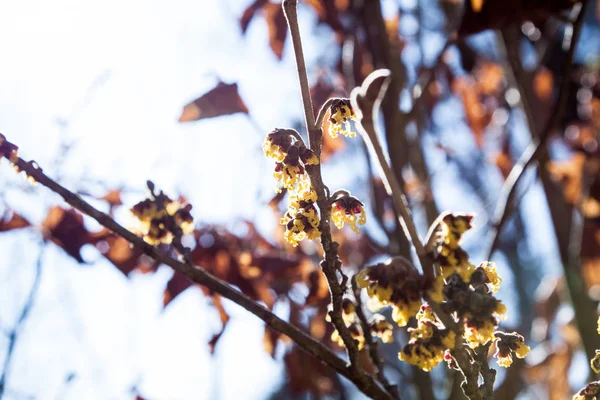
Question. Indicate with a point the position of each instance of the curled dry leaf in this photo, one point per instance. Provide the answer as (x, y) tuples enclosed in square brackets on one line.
[(224, 99), (224, 317), (10, 221), (176, 285), (118, 251), (275, 18), (65, 228), (277, 28)]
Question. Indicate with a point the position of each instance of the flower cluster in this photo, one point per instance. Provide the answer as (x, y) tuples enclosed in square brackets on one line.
[(346, 209), (473, 303), (449, 255), (397, 284), (507, 345), (381, 328), (428, 341), (464, 292), (160, 219), (341, 113), (301, 220), (290, 155)]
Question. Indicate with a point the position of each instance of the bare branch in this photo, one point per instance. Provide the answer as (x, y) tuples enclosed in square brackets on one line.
[(202, 277), (331, 265), (537, 145)]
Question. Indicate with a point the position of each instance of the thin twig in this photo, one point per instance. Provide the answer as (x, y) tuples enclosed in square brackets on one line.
[(202, 277), (371, 343), (14, 334), (331, 265), (537, 145), (323, 112), (364, 104), (422, 88), (488, 374), (365, 101)]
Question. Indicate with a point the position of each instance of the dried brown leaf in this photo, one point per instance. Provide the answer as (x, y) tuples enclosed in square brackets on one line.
[(224, 99), (65, 228), (10, 221), (277, 27)]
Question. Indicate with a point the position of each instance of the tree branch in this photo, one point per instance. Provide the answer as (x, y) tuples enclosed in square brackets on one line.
[(537, 145), (200, 276), (331, 265)]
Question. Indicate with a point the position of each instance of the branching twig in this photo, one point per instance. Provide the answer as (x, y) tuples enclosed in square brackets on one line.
[(488, 374), (537, 145), (14, 334), (200, 276), (331, 265), (364, 100)]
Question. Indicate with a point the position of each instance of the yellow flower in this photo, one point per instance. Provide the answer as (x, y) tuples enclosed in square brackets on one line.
[(436, 293), (341, 113), (522, 350), (494, 280), (402, 311), (303, 224), (158, 217), (277, 143), (423, 356), (381, 328), (598, 325), (349, 210), (507, 345), (426, 314), (479, 333), (288, 175)]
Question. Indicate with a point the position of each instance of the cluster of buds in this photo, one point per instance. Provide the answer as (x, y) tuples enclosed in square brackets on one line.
[(162, 219), (290, 155), (449, 256), (8, 150), (428, 341), (396, 283), (11, 152), (507, 345), (302, 219), (473, 303), (465, 294), (340, 114), (378, 325), (346, 209)]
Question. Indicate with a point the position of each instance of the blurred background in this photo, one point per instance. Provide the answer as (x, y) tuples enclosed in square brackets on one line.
[(104, 96)]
